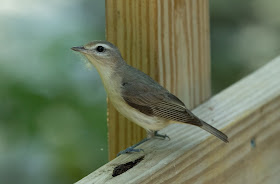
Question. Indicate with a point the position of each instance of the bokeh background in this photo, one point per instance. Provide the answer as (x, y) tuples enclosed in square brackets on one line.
[(53, 107)]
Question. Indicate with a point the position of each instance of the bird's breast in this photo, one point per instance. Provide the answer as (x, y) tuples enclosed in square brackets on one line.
[(112, 83)]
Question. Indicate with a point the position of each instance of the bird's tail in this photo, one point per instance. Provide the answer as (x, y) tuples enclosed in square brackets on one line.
[(214, 131)]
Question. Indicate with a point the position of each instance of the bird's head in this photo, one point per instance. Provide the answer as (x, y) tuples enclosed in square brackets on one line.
[(101, 53)]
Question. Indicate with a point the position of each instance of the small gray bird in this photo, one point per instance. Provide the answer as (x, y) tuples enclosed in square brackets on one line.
[(137, 96)]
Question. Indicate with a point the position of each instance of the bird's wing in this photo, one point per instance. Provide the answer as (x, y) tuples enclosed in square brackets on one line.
[(153, 100)]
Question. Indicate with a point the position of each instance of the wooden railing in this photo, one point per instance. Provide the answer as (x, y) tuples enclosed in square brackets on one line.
[(248, 112)]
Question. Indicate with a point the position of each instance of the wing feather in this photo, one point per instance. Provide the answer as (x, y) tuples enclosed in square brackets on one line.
[(153, 101)]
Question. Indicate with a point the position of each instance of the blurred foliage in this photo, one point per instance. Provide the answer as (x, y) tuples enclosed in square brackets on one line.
[(52, 107), (244, 36)]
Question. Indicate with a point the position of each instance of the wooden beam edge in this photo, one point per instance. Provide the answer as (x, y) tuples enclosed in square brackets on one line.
[(235, 110)]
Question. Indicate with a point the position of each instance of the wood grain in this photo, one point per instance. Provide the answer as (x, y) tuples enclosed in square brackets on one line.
[(168, 40), (248, 112)]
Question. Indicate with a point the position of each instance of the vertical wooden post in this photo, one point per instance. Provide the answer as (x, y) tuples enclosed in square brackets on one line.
[(168, 40)]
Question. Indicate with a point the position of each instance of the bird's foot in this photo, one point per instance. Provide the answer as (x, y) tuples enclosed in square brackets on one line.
[(132, 149), (129, 150), (164, 136)]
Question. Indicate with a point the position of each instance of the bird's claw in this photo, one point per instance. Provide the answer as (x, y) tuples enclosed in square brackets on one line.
[(129, 150), (164, 136)]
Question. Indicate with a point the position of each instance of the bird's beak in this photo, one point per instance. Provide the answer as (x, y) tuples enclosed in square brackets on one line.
[(80, 49)]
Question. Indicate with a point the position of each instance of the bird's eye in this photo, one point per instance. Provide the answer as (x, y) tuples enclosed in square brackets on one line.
[(100, 49)]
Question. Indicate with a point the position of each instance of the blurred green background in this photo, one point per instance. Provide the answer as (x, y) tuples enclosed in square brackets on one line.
[(53, 107)]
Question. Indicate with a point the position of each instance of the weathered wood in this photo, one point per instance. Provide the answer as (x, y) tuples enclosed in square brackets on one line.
[(248, 112), (168, 40)]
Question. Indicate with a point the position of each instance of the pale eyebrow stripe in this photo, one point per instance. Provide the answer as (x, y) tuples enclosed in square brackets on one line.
[(103, 45), (96, 45)]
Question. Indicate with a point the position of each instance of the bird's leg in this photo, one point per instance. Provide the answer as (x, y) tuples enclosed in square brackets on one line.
[(156, 134), (150, 134), (132, 148)]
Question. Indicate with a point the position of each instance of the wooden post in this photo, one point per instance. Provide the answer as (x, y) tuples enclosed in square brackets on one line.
[(168, 40)]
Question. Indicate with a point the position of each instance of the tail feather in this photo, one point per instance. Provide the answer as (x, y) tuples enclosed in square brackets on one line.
[(214, 131)]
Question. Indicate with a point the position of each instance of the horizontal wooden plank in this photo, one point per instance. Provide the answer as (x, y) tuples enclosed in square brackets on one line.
[(248, 112)]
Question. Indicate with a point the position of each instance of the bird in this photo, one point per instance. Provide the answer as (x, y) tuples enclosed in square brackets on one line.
[(137, 96)]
